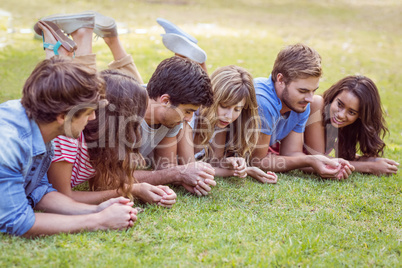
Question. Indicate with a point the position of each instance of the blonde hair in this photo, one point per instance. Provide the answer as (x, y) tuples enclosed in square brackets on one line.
[(230, 85)]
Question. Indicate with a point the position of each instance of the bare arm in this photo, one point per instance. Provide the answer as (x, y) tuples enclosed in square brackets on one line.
[(167, 171), (165, 165), (272, 162), (185, 145), (291, 157), (314, 134), (376, 166), (59, 175), (64, 215)]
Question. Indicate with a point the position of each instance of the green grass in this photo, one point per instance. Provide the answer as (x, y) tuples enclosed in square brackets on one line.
[(301, 221)]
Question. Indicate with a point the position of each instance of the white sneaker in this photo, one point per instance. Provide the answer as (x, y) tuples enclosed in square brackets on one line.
[(183, 46), (171, 28), (104, 26), (72, 22)]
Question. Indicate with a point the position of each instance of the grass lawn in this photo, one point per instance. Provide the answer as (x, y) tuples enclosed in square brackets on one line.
[(301, 221)]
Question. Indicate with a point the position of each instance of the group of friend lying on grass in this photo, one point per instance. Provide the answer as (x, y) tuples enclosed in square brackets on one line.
[(184, 127)]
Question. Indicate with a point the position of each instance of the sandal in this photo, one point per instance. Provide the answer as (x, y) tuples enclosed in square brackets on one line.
[(61, 38)]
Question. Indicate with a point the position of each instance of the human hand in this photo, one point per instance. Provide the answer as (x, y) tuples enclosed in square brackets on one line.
[(169, 198), (118, 200), (384, 166), (117, 216), (238, 164), (324, 166), (261, 176), (194, 172), (160, 195), (203, 187), (345, 170)]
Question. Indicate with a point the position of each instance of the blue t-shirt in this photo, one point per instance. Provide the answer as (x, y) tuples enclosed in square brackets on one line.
[(269, 106)]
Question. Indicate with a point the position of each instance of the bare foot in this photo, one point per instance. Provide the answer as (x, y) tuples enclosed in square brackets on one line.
[(49, 38)]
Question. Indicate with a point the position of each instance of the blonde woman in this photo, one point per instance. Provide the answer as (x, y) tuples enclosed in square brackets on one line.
[(226, 133)]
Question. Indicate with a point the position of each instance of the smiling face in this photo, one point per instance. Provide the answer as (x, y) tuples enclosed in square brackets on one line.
[(344, 110), (228, 114), (298, 93)]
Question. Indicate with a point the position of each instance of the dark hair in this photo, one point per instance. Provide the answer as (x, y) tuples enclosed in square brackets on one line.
[(112, 136), (368, 130), (297, 62), (59, 85), (183, 80)]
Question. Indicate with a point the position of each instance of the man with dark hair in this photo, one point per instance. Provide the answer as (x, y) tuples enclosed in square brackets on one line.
[(177, 88), (58, 98), (284, 107)]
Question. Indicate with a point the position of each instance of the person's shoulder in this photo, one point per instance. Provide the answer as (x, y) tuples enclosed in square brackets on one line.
[(8, 132), (265, 88), (13, 113), (262, 83), (14, 122), (67, 141), (261, 80), (317, 104), (15, 147), (145, 127)]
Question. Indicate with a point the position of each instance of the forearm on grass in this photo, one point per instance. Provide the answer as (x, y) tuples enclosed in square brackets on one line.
[(363, 166), (160, 177), (280, 163), (49, 224), (224, 172), (55, 202), (94, 197)]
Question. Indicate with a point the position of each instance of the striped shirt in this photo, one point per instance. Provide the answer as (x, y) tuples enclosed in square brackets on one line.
[(74, 151)]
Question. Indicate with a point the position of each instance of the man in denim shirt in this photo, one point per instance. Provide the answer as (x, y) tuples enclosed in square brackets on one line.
[(58, 98)]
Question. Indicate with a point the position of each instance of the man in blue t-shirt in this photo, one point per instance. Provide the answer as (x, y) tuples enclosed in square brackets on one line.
[(284, 107)]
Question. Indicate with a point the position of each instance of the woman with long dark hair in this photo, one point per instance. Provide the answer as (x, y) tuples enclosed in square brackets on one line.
[(349, 119)]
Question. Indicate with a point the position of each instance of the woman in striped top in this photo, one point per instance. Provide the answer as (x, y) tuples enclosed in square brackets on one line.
[(105, 154)]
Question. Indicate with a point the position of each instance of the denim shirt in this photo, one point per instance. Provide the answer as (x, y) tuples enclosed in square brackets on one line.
[(24, 161)]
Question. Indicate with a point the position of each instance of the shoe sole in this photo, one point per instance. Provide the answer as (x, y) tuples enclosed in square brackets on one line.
[(72, 22), (182, 46), (171, 28)]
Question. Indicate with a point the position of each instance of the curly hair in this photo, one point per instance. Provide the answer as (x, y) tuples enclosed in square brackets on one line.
[(367, 132), (57, 86), (230, 85), (183, 80), (112, 136)]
